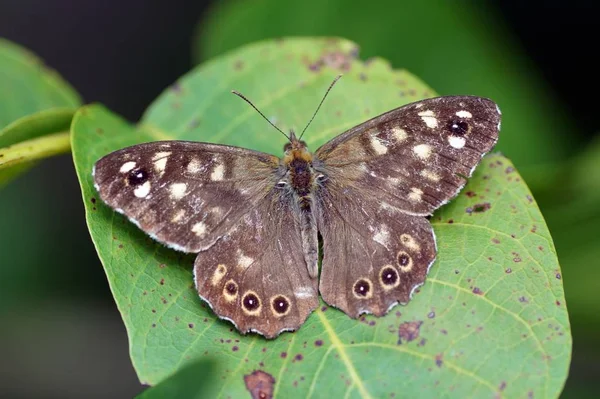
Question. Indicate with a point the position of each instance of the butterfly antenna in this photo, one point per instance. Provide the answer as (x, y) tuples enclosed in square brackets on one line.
[(237, 93), (321, 103)]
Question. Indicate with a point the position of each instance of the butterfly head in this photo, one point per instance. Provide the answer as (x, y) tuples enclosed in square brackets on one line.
[(296, 149)]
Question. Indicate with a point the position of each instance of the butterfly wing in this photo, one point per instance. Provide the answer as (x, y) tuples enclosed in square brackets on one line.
[(415, 157), (184, 194), (256, 276), (383, 177)]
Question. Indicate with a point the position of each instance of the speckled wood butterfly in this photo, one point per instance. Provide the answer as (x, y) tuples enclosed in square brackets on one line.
[(255, 220)]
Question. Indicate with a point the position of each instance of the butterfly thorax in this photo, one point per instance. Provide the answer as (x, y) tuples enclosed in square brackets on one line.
[(298, 163)]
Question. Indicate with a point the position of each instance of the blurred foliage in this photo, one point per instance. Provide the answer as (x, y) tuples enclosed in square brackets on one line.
[(194, 380), (36, 108), (36, 102)]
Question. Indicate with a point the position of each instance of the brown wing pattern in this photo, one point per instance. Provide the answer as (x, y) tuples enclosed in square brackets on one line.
[(256, 276), (383, 177), (184, 194), (415, 157), (373, 255)]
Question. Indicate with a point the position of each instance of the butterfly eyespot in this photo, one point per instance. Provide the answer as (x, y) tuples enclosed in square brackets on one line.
[(251, 303), (137, 177), (280, 305), (458, 127), (230, 290), (389, 277), (362, 289), (405, 262)]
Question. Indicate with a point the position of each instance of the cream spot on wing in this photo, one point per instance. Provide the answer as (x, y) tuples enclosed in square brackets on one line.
[(143, 190), (127, 166), (382, 235), (464, 114), (218, 274), (430, 175), (218, 172), (429, 118), (178, 216), (194, 166), (160, 164), (456, 141), (394, 181), (409, 242), (217, 211), (422, 151), (399, 134), (159, 155), (244, 261), (415, 194), (378, 146), (304, 292), (177, 190), (199, 229)]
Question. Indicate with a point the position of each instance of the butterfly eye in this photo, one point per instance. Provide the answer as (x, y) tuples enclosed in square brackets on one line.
[(281, 184), (321, 178)]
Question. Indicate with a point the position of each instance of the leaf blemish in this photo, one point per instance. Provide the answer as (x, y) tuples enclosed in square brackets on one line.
[(438, 359), (477, 291), (259, 384), (318, 342), (409, 331)]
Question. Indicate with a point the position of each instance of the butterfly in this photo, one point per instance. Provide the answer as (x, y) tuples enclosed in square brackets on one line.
[(261, 224)]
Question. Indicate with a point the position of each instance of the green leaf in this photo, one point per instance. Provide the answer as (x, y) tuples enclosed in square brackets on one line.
[(491, 318), (34, 101), (192, 381), (457, 48)]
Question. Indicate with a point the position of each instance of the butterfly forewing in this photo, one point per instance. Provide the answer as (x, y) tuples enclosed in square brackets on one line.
[(184, 194), (383, 177), (415, 157), (256, 275)]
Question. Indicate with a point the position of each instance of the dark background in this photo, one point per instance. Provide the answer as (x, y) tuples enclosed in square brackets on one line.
[(61, 334)]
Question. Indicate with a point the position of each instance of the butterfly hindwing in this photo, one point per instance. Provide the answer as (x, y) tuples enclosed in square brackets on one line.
[(256, 276), (374, 255), (184, 194), (415, 157), (383, 177)]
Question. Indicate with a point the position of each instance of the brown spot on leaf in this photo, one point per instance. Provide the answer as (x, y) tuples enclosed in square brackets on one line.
[(235, 348), (438, 359), (477, 291), (408, 331), (298, 357), (450, 221), (283, 355), (259, 384), (558, 276), (318, 342), (470, 194), (502, 386), (479, 208)]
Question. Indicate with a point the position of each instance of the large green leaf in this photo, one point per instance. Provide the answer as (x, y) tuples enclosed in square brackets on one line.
[(490, 320), (34, 102)]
